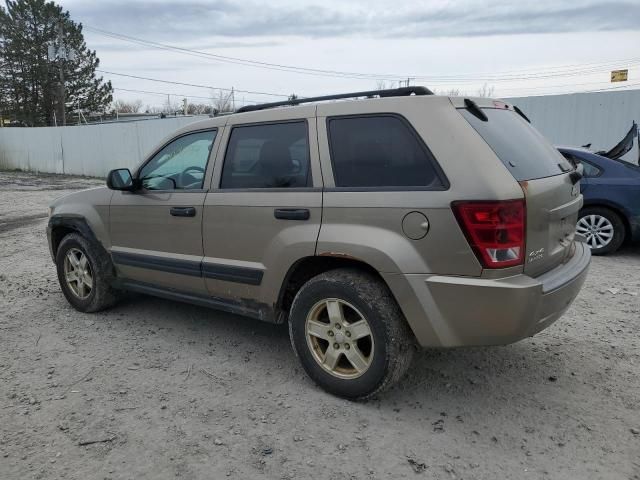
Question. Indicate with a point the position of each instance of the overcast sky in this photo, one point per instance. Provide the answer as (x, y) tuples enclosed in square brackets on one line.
[(516, 47)]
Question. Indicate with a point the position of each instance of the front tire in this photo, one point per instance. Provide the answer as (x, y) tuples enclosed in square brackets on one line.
[(85, 274), (349, 333), (604, 229)]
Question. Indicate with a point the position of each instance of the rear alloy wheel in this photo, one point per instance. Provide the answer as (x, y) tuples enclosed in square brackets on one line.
[(349, 333), (602, 228), (339, 338)]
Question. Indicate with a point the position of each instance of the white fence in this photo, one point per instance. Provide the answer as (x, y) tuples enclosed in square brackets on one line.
[(601, 119), (90, 150)]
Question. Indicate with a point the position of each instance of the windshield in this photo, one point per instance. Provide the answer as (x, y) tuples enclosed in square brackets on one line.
[(520, 147)]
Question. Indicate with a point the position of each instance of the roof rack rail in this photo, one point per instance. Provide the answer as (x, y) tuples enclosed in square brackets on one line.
[(391, 92)]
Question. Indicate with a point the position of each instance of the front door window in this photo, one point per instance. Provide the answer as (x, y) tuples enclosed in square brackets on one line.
[(181, 165)]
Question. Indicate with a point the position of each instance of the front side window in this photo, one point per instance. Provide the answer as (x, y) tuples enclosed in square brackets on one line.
[(380, 151), (267, 156), (181, 165)]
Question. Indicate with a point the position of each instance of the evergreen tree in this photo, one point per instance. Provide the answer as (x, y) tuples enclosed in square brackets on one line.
[(30, 81)]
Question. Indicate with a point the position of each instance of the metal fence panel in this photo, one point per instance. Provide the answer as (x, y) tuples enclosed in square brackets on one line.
[(601, 118), (90, 150)]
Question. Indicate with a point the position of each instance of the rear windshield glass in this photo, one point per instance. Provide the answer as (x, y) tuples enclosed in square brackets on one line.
[(520, 147)]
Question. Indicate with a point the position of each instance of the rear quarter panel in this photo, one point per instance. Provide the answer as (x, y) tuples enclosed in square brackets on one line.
[(367, 225), (622, 196)]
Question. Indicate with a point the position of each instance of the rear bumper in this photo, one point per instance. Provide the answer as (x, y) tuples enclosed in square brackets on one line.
[(458, 311)]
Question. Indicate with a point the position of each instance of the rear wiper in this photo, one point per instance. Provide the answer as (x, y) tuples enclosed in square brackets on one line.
[(521, 113), (475, 109)]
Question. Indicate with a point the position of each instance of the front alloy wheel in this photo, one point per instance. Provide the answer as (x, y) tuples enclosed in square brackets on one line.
[(85, 273), (77, 273)]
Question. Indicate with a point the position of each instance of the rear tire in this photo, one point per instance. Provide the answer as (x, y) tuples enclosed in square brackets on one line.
[(85, 273), (604, 229), (349, 333)]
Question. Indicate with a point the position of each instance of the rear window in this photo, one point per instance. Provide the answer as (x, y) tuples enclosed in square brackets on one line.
[(380, 151), (520, 147)]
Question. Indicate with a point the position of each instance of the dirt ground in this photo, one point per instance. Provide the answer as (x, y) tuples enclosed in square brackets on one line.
[(156, 390)]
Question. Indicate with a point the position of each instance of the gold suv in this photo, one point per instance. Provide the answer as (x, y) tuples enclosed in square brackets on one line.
[(370, 225)]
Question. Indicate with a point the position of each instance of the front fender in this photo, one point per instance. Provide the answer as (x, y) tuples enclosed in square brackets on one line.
[(85, 212)]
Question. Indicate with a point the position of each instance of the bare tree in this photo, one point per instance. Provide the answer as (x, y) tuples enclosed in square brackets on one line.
[(452, 92), (170, 106), (122, 106), (153, 109), (486, 91), (382, 85), (222, 102), (199, 109)]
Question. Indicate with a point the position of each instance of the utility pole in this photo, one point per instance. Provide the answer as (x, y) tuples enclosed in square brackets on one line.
[(61, 57), (233, 100)]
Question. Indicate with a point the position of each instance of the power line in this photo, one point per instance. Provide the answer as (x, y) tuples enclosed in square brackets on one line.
[(593, 85), (240, 61), (513, 90), (549, 72), (164, 94), (612, 88), (191, 84), (603, 89)]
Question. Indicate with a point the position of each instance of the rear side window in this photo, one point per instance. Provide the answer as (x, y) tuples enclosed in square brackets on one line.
[(520, 147), (267, 156), (590, 170), (380, 151)]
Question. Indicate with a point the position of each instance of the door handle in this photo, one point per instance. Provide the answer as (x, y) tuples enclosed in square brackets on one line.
[(183, 211), (292, 213)]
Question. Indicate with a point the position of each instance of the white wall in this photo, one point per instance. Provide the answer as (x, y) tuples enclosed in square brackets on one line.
[(601, 118), (90, 150)]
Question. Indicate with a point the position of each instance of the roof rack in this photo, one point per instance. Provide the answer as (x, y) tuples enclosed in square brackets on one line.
[(391, 92)]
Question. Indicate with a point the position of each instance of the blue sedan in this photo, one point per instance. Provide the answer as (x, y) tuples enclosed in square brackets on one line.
[(611, 190)]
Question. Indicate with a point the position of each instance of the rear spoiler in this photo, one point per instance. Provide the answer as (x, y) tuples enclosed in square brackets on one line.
[(624, 146)]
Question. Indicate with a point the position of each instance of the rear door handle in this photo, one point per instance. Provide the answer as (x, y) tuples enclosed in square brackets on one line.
[(183, 211), (292, 213)]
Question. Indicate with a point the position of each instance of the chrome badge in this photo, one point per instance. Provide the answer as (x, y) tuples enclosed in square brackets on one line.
[(536, 255)]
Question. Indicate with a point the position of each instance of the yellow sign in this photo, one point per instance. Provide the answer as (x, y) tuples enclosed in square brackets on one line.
[(619, 75)]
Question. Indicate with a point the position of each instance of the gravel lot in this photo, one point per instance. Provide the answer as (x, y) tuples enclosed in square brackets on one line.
[(155, 389)]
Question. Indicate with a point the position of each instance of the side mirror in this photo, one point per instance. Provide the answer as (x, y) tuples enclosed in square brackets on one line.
[(120, 179)]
